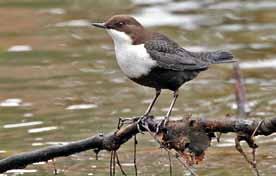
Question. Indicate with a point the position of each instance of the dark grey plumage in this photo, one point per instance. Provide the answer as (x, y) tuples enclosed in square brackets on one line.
[(175, 65)]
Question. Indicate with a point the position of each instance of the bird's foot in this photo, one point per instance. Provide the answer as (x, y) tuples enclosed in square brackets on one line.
[(141, 123), (161, 125), (126, 121)]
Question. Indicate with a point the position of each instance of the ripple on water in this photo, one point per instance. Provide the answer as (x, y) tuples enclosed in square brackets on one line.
[(74, 23), (149, 15), (227, 142), (127, 164), (54, 11), (148, 2), (272, 102), (20, 48), (82, 106), (28, 114), (92, 70), (118, 80), (25, 124), (22, 171), (13, 102), (247, 5), (49, 143), (43, 129), (247, 27), (184, 6), (248, 106), (269, 63)]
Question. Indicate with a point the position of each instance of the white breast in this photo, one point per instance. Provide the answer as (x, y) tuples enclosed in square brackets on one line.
[(133, 60)]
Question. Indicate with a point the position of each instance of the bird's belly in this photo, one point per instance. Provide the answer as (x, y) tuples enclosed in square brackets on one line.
[(134, 61), (166, 79)]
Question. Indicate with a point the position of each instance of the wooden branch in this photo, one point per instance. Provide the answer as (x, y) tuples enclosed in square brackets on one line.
[(114, 140)]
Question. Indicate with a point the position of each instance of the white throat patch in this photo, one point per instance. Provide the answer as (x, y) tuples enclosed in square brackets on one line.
[(133, 60), (119, 37)]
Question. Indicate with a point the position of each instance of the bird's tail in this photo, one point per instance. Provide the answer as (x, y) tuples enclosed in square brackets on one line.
[(216, 57), (219, 57)]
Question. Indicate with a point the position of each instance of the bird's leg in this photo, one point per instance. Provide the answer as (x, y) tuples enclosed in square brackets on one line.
[(157, 93), (167, 117)]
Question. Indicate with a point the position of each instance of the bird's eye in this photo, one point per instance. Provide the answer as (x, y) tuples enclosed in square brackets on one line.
[(120, 24)]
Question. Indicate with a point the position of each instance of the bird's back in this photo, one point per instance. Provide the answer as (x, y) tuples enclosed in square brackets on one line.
[(172, 56), (175, 65)]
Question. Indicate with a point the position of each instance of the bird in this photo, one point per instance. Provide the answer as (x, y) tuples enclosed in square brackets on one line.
[(154, 60)]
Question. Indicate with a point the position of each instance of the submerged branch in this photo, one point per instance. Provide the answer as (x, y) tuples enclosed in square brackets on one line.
[(114, 140)]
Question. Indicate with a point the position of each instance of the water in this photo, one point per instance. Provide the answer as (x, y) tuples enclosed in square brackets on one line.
[(59, 80)]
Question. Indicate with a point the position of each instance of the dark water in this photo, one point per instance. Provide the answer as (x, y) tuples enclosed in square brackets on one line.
[(59, 80)]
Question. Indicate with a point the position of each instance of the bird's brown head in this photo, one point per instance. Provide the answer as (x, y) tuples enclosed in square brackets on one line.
[(124, 28)]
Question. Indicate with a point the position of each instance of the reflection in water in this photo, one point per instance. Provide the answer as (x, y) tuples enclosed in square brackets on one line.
[(64, 78)]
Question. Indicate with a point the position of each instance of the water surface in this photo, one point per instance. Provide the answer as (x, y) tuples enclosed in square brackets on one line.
[(59, 80)]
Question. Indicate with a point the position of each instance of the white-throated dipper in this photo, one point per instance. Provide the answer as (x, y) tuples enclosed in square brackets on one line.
[(153, 60)]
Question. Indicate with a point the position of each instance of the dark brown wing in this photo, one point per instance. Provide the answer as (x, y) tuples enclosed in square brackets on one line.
[(169, 55)]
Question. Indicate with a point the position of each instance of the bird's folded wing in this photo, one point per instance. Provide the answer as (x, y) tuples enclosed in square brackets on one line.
[(169, 55)]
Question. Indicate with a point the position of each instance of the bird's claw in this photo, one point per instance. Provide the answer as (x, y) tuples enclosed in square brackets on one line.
[(159, 127), (141, 123)]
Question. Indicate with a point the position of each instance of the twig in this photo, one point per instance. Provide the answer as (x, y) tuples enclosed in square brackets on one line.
[(182, 162), (111, 164), (242, 113), (256, 129), (134, 156), (251, 163), (170, 161), (114, 164), (119, 164), (54, 165)]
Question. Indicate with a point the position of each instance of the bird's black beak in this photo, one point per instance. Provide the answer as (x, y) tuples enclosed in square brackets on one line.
[(99, 25)]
